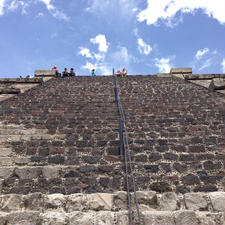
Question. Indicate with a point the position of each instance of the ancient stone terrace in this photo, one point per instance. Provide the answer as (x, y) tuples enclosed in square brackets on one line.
[(59, 150)]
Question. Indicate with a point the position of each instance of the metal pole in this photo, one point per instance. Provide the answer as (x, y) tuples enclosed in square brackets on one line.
[(116, 95), (121, 138)]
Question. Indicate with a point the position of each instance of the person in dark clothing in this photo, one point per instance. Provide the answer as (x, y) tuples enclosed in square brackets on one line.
[(65, 73), (72, 73)]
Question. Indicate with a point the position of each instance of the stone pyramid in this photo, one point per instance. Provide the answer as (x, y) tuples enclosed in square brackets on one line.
[(60, 150)]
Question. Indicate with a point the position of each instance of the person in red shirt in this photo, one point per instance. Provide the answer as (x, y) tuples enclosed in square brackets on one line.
[(57, 71)]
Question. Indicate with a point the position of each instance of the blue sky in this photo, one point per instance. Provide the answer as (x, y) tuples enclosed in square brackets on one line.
[(145, 36)]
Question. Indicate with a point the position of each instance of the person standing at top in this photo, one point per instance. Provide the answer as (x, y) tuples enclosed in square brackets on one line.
[(93, 72), (72, 73), (57, 71)]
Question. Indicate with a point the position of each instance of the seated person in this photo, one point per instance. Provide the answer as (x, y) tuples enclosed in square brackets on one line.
[(65, 73), (118, 73), (124, 72), (72, 73), (57, 72)]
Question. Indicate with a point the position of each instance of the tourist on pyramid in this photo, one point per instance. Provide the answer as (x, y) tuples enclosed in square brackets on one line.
[(72, 73), (124, 72), (65, 73), (118, 73), (57, 71), (93, 72)]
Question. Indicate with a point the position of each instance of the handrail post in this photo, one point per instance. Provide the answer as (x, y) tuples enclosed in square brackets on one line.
[(116, 95), (121, 137)]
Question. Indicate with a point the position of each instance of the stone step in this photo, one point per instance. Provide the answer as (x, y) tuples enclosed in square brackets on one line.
[(55, 155), (182, 217), (112, 165), (109, 209), (148, 201), (62, 179), (109, 175)]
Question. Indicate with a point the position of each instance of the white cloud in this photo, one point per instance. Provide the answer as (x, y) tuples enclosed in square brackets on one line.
[(2, 4), (104, 69), (205, 58), (100, 68), (125, 8), (85, 52), (164, 65), (99, 56), (13, 6), (143, 48), (206, 64), (40, 14), (54, 11), (201, 52), (48, 4), (101, 41), (121, 57), (167, 10), (223, 65), (89, 66), (102, 60), (60, 15)]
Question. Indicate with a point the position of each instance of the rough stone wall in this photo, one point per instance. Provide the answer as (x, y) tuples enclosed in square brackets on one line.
[(176, 133), (69, 123), (63, 136)]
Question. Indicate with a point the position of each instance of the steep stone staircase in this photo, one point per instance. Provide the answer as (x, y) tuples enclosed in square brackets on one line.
[(59, 136), (60, 163), (176, 133)]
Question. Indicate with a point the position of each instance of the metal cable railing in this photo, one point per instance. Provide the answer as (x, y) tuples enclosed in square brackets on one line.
[(125, 151)]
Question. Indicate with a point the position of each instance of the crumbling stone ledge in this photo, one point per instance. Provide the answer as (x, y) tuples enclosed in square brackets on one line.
[(149, 201), (110, 209), (181, 217), (20, 80), (10, 87), (9, 90)]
